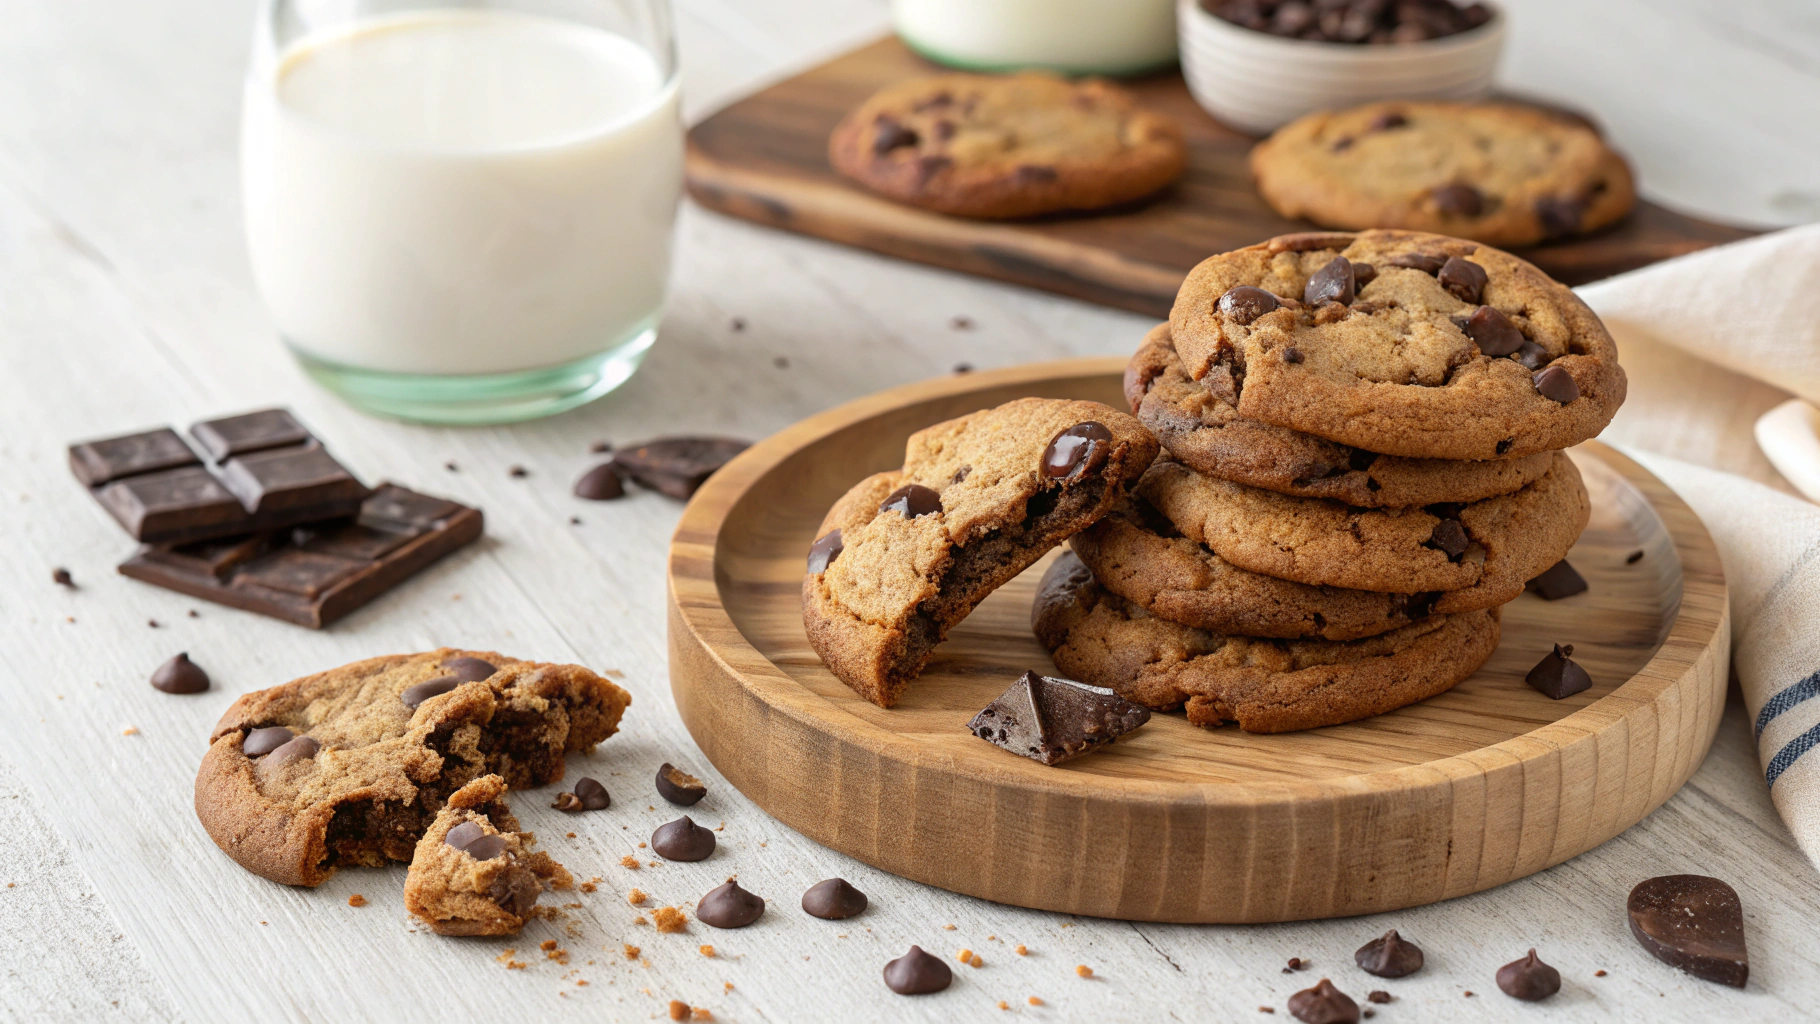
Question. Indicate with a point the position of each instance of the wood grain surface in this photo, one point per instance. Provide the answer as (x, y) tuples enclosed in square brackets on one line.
[(1488, 782), (765, 159)]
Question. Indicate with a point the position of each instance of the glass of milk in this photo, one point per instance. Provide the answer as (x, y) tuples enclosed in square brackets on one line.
[(462, 211)]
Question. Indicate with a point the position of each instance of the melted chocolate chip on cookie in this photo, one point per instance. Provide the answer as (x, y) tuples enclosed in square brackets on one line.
[(1245, 303), (1077, 450), (1331, 283), (1463, 279), (1493, 332), (1556, 384), (824, 551), (911, 501)]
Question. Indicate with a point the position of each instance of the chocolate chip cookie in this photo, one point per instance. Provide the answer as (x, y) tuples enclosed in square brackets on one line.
[(350, 766), (1503, 175), (1484, 551), (1137, 554), (1012, 146), (473, 872), (1263, 685), (1201, 428), (907, 554), (1400, 343)]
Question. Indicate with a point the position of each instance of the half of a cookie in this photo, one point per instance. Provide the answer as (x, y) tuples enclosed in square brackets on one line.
[(1263, 685), (1400, 343), (905, 555), (1484, 551), (473, 872), (351, 765), (1198, 424)]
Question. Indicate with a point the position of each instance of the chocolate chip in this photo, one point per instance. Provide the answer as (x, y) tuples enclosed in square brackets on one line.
[(678, 786), (1633, 558), (180, 675), (1244, 303), (1418, 606), (1331, 283), (518, 472), (911, 501), (514, 892), (468, 670), (62, 578), (1531, 355), (917, 973), (300, 748), (1387, 120), (676, 466), (1529, 979), (603, 447), (1389, 956), (1425, 262), (1556, 385), (486, 847), (1030, 174), (261, 742), (1323, 1004), (1493, 332), (824, 551), (417, 693), (1557, 676), (1077, 451), (1459, 200), (683, 839), (1363, 274), (729, 906), (1377, 995), (593, 795), (1556, 582), (601, 483), (1449, 537), (833, 899), (1463, 279), (1694, 923), (890, 134), (1359, 460), (463, 835), (1503, 447), (1559, 215), (1292, 355)]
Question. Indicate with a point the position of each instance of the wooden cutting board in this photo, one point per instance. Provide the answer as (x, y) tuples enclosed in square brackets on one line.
[(765, 159), (1486, 783)]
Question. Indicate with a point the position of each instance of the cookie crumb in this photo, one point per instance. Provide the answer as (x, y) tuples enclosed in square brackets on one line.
[(451, 466), (629, 861), (679, 1010), (669, 919), (700, 1013), (1469, 993), (640, 919), (727, 985), (561, 956), (1034, 1001), (1377, 995), (547, 945), (961, 323), (131, 730), (630, 950), (1083, 970), (587, 887), (1021, 950), (636, 897), (1598, 974), (357, 900), (1267, 1009), (518, 472), (61, 577), (707, 950), (1003, 1005), (947, 927)]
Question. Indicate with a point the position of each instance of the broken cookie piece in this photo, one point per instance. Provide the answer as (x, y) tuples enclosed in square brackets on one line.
[(1052, 720), (473, 872), (979, 499)]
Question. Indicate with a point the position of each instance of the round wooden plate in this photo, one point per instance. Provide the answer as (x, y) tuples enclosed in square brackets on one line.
[(1488, 782)]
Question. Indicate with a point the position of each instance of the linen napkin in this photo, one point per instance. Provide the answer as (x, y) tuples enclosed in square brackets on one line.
[(1714, 343)]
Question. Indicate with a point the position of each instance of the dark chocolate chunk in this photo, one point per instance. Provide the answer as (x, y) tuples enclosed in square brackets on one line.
[(1531, 355), (1243, 304), (469, 670), (300, 748), (678, 786), (911, 501), (729, 906), (486, 847), (1331, 283), (180, 675), (1493, 332), (824, 551), (290, 480), (260, 742), (1459, 200), (1557, 385), (61, 577), (892, 134), (1363, 274), (1387, 120), (1361, 460), (252, 432), (1633, 558), (1557, 675), (1449, 537), (683, 839), (1323, 1004), (1560, 215), (1557, 581), (1051, 720), (1425, 262), (1292, 355), (593, 795), (917, 973), (676, 466), (1694, 923), (601, 483), (1389, 956), (833, 899), (1463, 279), (514, 892), (337, 570), (463, 835), (417, 693), (1077, 451), (1529, 979)]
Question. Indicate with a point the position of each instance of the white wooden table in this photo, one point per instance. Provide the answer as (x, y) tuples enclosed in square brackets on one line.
[(125, 302)]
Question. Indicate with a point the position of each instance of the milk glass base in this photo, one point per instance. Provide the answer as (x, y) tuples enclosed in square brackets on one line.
[(481, 398)]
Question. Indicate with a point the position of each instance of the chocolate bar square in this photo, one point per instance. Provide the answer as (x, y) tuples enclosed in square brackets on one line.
[(97, 462), (254, 431)]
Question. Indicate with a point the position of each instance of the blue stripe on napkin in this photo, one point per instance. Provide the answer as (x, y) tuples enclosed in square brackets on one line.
[(1789, 754), (1803, 690)]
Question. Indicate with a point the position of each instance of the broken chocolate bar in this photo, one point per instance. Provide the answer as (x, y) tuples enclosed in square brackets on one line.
[(1051, 720), (263, 472), (312, 575)]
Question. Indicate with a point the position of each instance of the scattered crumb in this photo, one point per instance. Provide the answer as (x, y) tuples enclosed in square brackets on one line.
[(738, 323), (587, 887), (1635, 557), (727, 985), (1378, 995), (1021, 950), (574, 520), (582, 981), (561, 956), (61, 577), (640, 919), (194, 614), (152, 623), (131, 730), (518, 472), (679, 1010), (976, 961), (357, 900), (641, 845), (629, 861), (707, 950), (964, 956), (1003, 1005), (961, 323), (631, 951), (636, 897), (700, 1013), (1598, 974), (669, 919), (451, 466), (1034, 1001), (547, 945), (947, 927), (1469, 993), (1083, 970), (651, 863), (1267, 1009), (963, 367)]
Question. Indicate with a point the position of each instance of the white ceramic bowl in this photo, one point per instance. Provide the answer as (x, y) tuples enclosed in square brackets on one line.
[(1256, 82)]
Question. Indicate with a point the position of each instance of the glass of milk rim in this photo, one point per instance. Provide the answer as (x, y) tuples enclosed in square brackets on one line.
[(462, 211)]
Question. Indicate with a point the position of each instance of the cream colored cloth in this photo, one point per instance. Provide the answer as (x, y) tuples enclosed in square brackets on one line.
[(1712, 342)]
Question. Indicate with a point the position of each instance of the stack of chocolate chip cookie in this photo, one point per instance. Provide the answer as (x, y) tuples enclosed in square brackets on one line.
[(1362, 462)]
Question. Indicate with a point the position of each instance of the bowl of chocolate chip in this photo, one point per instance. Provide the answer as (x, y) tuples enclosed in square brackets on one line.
[(1256, 65)]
